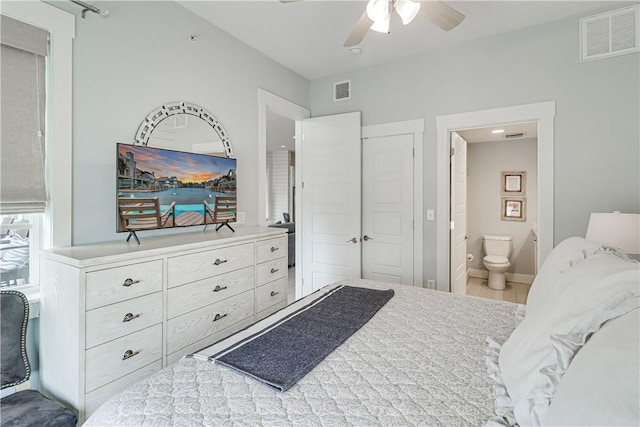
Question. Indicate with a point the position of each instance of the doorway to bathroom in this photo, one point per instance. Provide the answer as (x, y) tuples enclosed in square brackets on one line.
[(494, 171), (543, 114)]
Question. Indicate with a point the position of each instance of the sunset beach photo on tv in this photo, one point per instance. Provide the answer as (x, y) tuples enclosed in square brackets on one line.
[(175, 180)]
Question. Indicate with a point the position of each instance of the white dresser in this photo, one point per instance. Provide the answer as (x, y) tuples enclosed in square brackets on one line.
[(113, 313)]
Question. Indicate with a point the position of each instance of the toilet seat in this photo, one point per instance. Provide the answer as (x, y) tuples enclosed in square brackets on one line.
[(497, 260)]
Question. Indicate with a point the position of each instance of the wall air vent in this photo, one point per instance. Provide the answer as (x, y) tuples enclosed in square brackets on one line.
[(342, 91), (610, 34), (514, 135)]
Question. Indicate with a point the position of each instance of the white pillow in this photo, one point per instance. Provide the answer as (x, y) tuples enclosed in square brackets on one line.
[(600, 287), (602, 385), (565, 255)]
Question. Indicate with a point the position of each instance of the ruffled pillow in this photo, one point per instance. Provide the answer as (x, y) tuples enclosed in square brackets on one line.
[(503, 406), (583, 296), (602, 385), (565, 347)]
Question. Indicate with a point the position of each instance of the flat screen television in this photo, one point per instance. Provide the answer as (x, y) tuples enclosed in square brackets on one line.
[(159, 188)]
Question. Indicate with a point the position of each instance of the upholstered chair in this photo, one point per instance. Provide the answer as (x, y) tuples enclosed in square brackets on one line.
[(25, 407)]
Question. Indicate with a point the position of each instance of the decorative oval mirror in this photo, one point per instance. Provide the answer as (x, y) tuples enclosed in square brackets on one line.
[(184, 127)]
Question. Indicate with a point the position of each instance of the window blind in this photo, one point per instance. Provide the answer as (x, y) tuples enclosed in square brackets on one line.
[(22, 108)]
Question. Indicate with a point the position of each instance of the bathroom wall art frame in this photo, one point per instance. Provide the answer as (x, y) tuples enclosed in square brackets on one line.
[(513, 183), (514, 209)]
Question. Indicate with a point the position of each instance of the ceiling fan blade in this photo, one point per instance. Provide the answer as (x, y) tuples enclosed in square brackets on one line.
[(440, 14), (361, 28)]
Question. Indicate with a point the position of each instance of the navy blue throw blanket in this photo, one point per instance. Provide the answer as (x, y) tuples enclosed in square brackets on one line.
[(280, 356)]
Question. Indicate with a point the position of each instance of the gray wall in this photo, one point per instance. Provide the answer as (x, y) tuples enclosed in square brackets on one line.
[(485, 163), (597, 122), (139, 58)]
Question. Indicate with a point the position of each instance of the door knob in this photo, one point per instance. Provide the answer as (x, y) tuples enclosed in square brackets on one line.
[(365, 238), (354, 240)]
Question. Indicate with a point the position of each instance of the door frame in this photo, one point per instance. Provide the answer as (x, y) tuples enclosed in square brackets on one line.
[(415, 128), (544, 114)]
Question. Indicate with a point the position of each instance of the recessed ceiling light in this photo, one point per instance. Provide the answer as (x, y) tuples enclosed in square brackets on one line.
[(355, 51), (497, 131), (283, 146)]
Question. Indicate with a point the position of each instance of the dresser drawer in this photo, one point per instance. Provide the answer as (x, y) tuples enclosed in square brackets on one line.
[(267, 250), (189, 297), (199, 345), (120, 319), (199, 324), (200, 265), (271, 294), (268, 311), (115, 359), (270, 271), (117, 284)]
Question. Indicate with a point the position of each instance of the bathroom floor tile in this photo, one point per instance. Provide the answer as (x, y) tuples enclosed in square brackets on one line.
[(514, 292)]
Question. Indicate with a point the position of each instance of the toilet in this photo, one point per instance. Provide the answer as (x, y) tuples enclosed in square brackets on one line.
[(497, 250)]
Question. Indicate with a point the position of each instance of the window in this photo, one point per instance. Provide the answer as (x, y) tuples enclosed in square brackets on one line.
[(53, 227), (23, 194), (19, 245)]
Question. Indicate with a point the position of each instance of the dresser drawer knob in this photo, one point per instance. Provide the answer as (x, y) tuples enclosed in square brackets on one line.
[(219, 288), (274, 293), (129, 354), (273, 249), (130, 282), (274, 270), (219, 261), (220, 316), (129, 317)]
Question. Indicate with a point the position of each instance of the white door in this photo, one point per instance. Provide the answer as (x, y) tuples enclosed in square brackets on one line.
[(458, 214), (387, 209), (331, 196)]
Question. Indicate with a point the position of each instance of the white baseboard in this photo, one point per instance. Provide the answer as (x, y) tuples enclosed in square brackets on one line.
[(511, 277)]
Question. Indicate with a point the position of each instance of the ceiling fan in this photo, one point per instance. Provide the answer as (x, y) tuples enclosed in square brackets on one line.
[(378, 15)]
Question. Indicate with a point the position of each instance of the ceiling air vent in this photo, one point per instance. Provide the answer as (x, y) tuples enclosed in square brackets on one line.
[(342, 91), (610, 34), (514, 135)]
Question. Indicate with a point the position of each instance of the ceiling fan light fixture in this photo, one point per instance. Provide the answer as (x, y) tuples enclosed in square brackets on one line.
[(378, 10), (407, 10), (382, 25)]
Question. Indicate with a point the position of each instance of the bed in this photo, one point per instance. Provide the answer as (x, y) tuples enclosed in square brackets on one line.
[(429, 358)]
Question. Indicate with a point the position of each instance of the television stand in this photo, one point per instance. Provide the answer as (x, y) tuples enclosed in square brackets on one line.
[(135, 236), (222, 224)]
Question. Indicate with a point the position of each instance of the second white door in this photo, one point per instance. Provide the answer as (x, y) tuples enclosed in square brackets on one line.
[(387, 209)]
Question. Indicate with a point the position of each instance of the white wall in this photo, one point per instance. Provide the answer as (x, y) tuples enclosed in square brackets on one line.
[(485, 163), (597, 125), (140, 57)]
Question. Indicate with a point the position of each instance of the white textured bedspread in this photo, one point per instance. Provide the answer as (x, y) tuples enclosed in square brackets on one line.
[(418, 361)]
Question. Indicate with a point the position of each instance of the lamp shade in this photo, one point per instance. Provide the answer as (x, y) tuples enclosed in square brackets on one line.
[(615, 229)]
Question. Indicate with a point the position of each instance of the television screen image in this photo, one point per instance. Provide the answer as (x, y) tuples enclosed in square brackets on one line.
[(160, 188)]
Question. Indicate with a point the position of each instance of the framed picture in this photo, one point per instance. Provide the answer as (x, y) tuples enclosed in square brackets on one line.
[(514, 209), (513, 183)]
